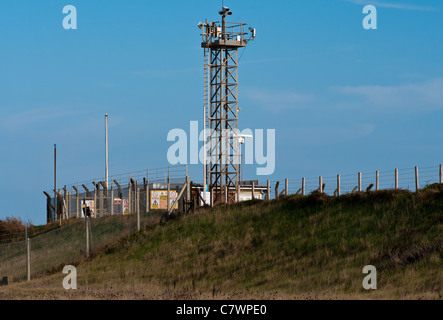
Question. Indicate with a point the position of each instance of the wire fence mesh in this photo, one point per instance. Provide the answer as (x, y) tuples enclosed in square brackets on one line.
[(60, 246), (53, 245), (122, 194), (406, 179), (117, 211)]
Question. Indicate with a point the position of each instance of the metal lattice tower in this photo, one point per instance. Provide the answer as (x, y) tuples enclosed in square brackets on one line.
[(221, 41)]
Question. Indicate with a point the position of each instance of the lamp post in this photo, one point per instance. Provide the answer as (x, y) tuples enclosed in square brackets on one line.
[(106, 151), (55, 181)]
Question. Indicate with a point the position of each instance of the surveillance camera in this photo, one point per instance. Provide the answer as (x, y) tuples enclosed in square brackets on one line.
[(225, 11), (200, 25)]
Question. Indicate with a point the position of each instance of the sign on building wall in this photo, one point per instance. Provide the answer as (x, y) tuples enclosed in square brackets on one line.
[(159, 199)]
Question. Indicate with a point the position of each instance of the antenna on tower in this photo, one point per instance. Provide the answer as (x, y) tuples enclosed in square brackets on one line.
[(221, 41)]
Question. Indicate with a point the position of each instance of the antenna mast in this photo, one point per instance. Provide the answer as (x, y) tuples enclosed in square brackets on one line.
[(221, 41)]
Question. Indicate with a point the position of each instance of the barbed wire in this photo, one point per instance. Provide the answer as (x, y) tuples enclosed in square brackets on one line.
[(406, 180), (8, 238), (156, 174)]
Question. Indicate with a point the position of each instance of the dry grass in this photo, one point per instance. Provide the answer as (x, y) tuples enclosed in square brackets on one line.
[(311, 247)]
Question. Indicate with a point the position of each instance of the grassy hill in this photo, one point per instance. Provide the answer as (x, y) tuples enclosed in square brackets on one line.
[(294, 247)]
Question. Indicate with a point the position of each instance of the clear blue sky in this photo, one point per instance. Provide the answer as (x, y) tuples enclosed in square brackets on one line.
[(342, 99)]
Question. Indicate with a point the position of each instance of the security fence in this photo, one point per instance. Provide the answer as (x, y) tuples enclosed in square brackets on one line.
[(27, 254), (412, 179), (137, 201), (141, 191)]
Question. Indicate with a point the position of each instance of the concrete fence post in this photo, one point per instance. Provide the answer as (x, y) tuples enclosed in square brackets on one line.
[(87, 236), (95, 199), (377, 180), (359, 182), (253, 190), (396, 179), (78, 202), (28, 258), (338, 186), (441, 174), (276, 189), (147, 192), (320, 181), (168, 198), (137, 205), (112, 200), (129, 194), (188, 193), (268, 190), (417, 184), (303, 186), (287, 187)]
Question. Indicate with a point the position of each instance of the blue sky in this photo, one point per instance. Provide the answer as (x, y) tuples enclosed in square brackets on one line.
[(342, 99)]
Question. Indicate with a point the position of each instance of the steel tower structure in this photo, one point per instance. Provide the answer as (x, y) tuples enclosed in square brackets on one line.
[(221, 41)]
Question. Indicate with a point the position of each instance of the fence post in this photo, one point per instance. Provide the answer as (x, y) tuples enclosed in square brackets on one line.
[(320, 181), (268, 190), (87, 235), (68, 205), (147, 192), (276, 190), (95, 198), (112, 199), (253, 190), (396, 179), (226, 194), (137, 205), (65, 203), (28, 258), (441, 174), (287, 187), (129, 194), (211, 196), (169, 190), (359, 182), (59, 216), (417, 184), (78, 202), (188, 193), (303, 184), (377, 180), (338, 186)]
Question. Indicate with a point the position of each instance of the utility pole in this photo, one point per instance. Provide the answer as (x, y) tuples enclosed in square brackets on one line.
[(106, 151), (55, 181)]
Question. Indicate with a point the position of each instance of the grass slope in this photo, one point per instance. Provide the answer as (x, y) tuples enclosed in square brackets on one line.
[(294, 247)]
